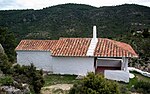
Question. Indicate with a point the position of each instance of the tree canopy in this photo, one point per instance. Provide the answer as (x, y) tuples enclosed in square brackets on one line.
[(95, 84), (75, 20), (8, 42)]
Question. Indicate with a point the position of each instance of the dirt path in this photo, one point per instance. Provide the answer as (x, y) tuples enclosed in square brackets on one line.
[(56, 89)]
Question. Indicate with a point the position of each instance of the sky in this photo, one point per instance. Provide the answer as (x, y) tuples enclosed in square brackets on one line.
[(39, 4)]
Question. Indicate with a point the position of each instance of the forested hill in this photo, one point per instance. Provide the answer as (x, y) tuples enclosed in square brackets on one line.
[(75, 20)]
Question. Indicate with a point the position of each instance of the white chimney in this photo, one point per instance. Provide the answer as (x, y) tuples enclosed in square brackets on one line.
[(93, 43), (94, 32)]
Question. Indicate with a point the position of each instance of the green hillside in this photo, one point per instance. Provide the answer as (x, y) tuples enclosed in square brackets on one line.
[(75, 20)]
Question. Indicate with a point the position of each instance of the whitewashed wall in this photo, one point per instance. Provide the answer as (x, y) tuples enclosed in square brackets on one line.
[(41, 59), (117, 75), (73, 65), (65, 65), (58, 65)]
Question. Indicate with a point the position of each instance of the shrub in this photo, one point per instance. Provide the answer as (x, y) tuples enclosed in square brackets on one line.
[(95, 84), (29, 74), (5, 65), (6, 80), (8, 41)]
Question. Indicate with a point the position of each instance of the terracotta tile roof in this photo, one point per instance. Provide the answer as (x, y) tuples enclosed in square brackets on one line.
[(79, 47), (71, 47), (42, 45), (111, 48)]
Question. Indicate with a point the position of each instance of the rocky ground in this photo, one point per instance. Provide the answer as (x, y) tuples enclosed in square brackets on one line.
[(56, 89)]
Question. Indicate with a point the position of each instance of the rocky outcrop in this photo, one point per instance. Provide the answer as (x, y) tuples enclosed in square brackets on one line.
[(10, 90), (13, 90), (1, 49), (3, 56)]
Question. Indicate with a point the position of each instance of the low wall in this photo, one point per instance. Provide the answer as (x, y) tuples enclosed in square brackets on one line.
[(117, 75), (139, 71)]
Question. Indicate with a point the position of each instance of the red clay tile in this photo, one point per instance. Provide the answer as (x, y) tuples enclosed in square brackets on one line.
[(42, 45), (79, 47), (71, 47), (110, 48)]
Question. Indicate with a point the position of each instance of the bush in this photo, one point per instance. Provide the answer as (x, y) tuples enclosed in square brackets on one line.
[(142, 87), (8, 41), (95, 84), (5, 65), (29, 74), (6, 80)]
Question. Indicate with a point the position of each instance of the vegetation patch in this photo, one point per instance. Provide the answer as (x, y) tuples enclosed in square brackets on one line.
[(141, 77), (53, 79), (95, 84), (6, 80), (138, 84), (142, 87)]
